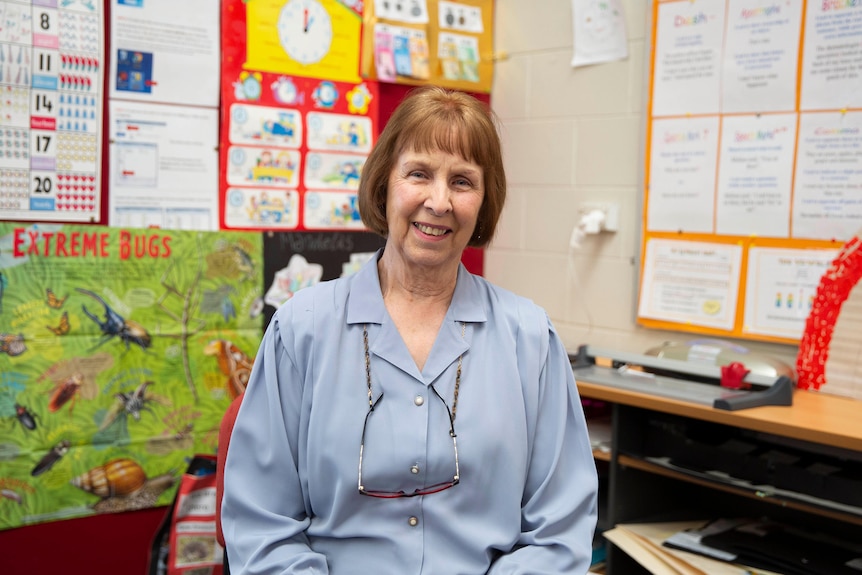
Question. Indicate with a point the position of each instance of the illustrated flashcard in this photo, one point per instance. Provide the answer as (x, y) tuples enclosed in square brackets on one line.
[(262, 208), (384, 57), (327, 210), (338, 132), (447, 52), (333, 171), (408, 11), (256, 125), (401, 48), (269, 167), (419, 55), (460, 17), (468, 57)]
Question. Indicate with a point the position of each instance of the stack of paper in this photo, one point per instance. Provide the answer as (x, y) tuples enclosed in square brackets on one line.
[(643, 542)]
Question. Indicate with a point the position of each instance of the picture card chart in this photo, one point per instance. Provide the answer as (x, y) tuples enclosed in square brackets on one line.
[(417, 42), (753, 140), (294, 138), (51, 68)]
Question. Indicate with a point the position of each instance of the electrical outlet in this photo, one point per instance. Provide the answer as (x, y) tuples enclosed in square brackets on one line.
[(611, 211)]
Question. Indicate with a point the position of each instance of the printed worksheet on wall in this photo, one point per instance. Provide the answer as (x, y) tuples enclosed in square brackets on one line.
[(832, 56), (682, 174), (827, 197), (691, 282), (761, 51), (163, 166), (780, 289), (165, 51), (755, 175), (687, 77)]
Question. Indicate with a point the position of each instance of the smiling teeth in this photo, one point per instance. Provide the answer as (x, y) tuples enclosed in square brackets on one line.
[(430, 231)]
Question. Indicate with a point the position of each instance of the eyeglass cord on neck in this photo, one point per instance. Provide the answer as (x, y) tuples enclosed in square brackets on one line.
[(371, 403)]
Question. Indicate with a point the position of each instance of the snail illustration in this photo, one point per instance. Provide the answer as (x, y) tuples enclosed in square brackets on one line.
[(116, 478)]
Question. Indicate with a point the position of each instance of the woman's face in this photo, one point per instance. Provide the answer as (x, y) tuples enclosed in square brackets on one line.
[(432, 204)]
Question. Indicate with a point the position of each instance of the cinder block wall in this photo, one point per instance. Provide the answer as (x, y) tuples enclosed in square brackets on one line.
[(574, 135)]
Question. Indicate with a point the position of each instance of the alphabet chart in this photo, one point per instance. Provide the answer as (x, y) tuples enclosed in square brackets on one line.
[(51, 54)]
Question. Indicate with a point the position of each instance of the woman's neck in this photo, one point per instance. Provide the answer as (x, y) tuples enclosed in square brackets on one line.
[(415, 285)]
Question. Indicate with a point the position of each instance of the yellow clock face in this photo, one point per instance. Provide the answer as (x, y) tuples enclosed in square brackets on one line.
[(305, 31), (310, 38)]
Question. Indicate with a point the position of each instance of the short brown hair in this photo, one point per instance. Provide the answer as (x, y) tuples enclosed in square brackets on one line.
[(433, 118)]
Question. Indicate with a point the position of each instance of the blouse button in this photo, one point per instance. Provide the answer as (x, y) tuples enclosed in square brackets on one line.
[(414, 470), (418, 400), (413, 522)]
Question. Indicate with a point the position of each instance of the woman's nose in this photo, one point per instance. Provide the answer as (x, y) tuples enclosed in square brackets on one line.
[(438, 200)]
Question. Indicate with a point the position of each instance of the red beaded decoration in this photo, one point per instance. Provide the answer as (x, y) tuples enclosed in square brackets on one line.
[(833, 291)]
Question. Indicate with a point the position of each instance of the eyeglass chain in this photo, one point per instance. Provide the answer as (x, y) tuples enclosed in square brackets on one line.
[(368, 371)]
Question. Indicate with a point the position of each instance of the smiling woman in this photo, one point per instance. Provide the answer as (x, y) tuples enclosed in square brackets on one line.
[(478, 460)]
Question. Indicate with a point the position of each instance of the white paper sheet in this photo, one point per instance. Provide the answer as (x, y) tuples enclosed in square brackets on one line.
[(832, 56), (163, 166), (684, 152), (760, 58), (827, 198), (600, 32), (165, 51), (687, 75), (691, 282), (780, 289), (755, 175)]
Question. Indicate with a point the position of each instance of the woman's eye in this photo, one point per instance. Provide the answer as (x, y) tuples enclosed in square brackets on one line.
[(461, 182)]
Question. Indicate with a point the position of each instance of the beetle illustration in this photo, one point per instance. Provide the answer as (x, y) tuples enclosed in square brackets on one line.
[(116, 326), (64, 392), (25, 416), (50, 458)]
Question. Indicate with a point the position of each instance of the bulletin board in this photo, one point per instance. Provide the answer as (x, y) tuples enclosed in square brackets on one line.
[(448, 44), (753, 163)]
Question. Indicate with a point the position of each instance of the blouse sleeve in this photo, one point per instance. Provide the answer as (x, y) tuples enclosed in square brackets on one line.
[(559, 505), (264, 515)]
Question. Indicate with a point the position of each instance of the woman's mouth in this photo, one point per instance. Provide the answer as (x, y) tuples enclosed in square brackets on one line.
[(431, 231)]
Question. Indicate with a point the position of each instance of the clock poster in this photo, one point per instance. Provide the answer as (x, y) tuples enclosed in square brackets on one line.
[(297, 120), (51, 76)]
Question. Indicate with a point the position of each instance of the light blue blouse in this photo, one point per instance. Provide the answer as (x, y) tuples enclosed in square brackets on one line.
[(526, 502)]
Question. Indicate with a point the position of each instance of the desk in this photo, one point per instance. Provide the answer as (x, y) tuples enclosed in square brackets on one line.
[(639, 490)]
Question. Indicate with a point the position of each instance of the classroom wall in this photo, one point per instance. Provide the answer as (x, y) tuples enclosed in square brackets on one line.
[(574, 135)]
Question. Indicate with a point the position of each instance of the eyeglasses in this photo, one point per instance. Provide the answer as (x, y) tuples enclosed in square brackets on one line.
[(437, 487)]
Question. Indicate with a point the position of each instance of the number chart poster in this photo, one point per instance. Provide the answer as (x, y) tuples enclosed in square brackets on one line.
[(51, 68), (120, 350), (297, 120)]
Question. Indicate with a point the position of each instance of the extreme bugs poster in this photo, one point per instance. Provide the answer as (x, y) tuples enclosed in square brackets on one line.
[(120, 350)]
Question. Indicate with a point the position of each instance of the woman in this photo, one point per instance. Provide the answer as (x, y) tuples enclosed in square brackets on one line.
[(413, 418)]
